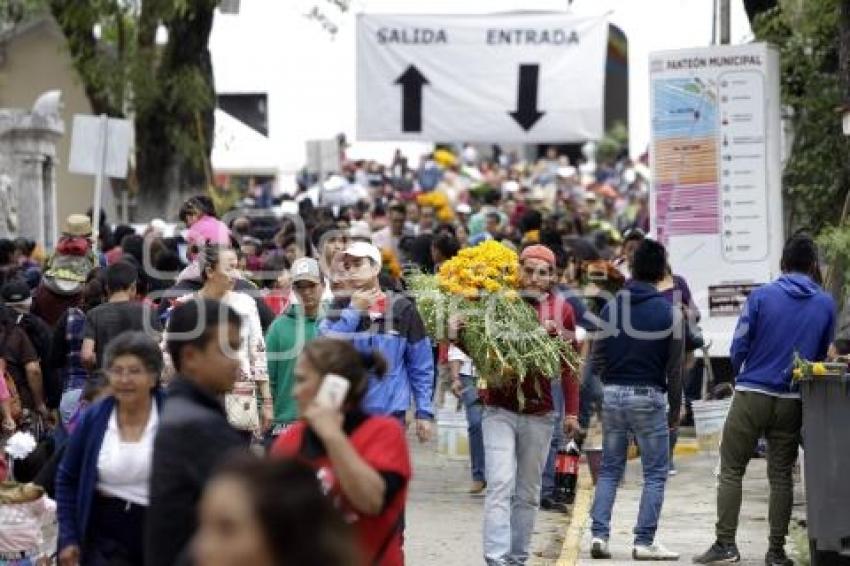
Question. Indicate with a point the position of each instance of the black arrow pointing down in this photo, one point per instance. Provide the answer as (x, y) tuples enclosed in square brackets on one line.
[(526, 114)]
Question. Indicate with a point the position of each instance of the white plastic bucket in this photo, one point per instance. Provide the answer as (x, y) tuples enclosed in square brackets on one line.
[(452, 434), (709, 417)]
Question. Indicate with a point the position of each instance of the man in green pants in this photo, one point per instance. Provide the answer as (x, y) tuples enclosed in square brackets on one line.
[(790, 315)]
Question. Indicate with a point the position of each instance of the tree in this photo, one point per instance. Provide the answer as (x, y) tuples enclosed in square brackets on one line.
[(814, 38), (757, 7), (167, 90), (816, 175)]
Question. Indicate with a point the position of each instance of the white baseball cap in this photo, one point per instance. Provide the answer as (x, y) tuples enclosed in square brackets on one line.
[(463, 208), (306, 269), (360, 229), (364, 249)]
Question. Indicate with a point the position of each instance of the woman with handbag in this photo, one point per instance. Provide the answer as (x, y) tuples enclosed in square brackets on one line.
[(102, 486), (249, 406), (362, 460)]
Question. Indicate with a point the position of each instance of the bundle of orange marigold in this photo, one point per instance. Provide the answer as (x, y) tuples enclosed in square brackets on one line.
[(501, 333)]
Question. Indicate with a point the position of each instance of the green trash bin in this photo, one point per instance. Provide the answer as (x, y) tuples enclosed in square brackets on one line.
[(826, 441)]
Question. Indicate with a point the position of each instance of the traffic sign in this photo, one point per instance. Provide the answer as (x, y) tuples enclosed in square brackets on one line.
[(511, 78), (100, 146)]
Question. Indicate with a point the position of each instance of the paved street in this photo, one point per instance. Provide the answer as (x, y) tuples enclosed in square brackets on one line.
[(444, 522), (687, 521)]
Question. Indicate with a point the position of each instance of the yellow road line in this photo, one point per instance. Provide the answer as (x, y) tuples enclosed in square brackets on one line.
[(581, 510), (687, 447)]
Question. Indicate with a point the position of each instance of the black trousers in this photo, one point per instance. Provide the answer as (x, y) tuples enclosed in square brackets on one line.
[(115, 533)]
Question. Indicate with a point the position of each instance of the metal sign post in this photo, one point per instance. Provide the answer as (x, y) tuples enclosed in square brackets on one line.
[(98, 177), (100, 146)]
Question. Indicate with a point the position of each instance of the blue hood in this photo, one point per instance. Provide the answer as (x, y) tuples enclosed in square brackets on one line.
[(639, 292), (798, 285), (791, 315)]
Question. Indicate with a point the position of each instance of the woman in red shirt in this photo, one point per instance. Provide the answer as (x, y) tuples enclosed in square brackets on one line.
[(361, 460)]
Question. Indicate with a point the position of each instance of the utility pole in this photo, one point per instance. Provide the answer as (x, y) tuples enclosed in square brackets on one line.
[(714, 22), (725, 22)]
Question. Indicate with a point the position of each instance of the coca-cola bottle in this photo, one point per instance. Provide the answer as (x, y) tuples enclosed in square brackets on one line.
[(566, 472)]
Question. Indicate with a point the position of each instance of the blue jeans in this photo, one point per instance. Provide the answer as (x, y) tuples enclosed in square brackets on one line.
[(516, 447), (643, 412), (558, 440), (474, 414)]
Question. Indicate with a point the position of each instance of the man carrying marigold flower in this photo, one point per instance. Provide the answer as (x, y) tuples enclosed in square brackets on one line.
[(517, 435)]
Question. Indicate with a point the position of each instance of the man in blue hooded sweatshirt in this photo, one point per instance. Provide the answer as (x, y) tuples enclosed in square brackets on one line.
[(790, 315), (641, 340)]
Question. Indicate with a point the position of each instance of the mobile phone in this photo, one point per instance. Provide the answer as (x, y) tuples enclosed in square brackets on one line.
[(332, 392)]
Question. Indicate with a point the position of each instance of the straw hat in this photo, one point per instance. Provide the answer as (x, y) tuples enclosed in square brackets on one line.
[(77, 225)]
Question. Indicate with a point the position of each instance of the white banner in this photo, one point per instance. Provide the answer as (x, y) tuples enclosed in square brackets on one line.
[(509, 78)]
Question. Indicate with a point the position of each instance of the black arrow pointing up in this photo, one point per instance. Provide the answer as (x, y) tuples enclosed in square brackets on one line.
[(411, 82), (526, 114)]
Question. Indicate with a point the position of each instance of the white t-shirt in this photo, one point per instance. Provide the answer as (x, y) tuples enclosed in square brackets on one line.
[(457, 355), (124, 468)]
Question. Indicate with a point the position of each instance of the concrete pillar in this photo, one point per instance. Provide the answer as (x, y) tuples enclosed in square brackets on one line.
[(27, 162)]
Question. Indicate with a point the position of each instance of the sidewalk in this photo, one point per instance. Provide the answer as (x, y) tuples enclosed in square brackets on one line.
[(689, 513)]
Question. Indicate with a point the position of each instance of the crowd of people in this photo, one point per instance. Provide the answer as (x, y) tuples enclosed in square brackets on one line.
[(189, 388)]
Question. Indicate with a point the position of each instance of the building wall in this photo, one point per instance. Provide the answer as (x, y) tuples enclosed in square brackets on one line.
[(37, 61)]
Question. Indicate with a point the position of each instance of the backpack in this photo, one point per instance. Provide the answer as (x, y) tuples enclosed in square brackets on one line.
[(72, 270)]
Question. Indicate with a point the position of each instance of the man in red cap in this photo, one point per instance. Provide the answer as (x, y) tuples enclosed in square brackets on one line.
[(517, 439)]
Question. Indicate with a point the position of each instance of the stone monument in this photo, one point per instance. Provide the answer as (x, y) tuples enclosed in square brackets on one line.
[(27, 169)]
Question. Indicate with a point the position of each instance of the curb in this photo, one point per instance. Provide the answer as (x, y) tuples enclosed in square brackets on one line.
[(571, 548), (581, 510), (686, 447)]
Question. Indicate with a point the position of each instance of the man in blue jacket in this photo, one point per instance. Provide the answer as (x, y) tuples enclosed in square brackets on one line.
[(639, 341), (390, 324), (790, 315)]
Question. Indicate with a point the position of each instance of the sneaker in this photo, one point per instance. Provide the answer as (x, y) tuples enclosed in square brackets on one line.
[(719, 553), (477, 487), (672, 471), (654, 551), (777, 557), (599, 549), (552, 504)]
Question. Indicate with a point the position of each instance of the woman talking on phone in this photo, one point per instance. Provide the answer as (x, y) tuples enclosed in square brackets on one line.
[(361, 460)]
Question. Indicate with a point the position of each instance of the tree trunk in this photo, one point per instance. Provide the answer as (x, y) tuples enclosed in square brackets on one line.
[(174, 133), (77, 20)]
